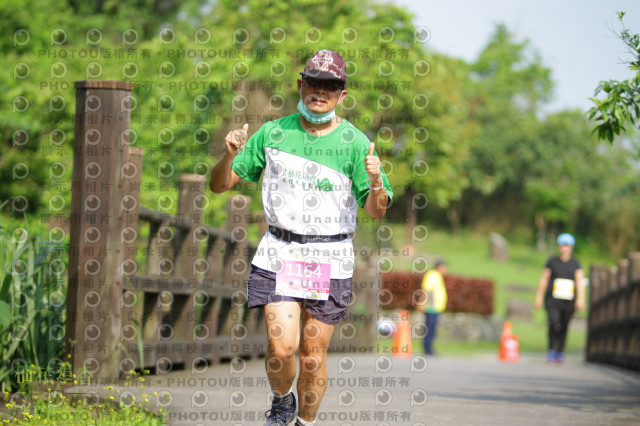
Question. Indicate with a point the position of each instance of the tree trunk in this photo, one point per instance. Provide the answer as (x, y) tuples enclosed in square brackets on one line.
[(541, 226), (412, 219), (453, 215)]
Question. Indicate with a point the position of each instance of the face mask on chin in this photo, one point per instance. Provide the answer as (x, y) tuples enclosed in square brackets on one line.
[(312, 117)]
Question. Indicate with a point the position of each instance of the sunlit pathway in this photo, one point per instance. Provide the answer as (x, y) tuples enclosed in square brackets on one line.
[(380, 390)]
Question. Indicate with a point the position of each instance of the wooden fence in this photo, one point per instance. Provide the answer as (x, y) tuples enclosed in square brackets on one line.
[(186, 304), (614, 314)]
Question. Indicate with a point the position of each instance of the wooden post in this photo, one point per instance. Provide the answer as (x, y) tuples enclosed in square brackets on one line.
[(236, 270), (634, 267), (612, 288), (95, 280), (604, 284), (590, 326), (261, 219), (623, 283), (131, 302), (159, 263), (188, 260), (191, 191), (593, 321), (634, 299), (216, 246), (236, 265), (211, 311), (633, 347), (623, 273)]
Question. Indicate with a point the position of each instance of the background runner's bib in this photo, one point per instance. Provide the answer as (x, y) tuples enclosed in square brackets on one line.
[(563, 289), (561, 284)]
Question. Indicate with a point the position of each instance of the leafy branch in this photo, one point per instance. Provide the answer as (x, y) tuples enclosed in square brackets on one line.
[(622, 100)]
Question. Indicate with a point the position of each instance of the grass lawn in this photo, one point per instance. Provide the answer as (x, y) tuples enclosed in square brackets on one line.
[(517, 278)]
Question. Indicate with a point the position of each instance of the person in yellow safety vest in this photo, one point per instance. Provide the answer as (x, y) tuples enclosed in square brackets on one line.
[(435, 303)]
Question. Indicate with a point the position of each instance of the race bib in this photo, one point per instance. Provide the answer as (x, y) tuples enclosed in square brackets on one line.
[(304, 277), (563, 289)]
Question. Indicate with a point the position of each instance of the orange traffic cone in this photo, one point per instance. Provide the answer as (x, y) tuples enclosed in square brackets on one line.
[(402, 338), (509, 344)]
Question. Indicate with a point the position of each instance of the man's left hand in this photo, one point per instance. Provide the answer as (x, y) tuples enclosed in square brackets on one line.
[(372, 166)]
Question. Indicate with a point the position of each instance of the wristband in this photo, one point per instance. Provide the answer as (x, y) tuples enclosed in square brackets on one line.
[(376, 188)]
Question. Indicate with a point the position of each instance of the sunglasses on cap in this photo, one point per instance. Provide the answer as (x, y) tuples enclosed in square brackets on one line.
[(330, 85)]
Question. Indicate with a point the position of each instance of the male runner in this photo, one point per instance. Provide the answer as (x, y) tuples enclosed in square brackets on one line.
[(316, 170)]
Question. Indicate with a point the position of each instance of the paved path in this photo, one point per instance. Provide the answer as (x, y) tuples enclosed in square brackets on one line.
[(380, 390)]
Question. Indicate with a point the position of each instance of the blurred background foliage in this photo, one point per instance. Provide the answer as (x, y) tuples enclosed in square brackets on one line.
[(473, 138)]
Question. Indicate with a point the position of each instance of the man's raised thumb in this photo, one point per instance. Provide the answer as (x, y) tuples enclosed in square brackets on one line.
[(245, 127), (372, 147)]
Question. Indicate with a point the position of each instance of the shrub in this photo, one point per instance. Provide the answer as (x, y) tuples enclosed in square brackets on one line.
[(32, 302)]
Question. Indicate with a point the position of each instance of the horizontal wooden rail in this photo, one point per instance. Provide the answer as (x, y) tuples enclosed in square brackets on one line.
[(155, 284)]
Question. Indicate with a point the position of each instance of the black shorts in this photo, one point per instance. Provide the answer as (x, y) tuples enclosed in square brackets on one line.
[(261, 290)]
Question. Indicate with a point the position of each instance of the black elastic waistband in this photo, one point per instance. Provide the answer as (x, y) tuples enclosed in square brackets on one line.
[(288, 236)]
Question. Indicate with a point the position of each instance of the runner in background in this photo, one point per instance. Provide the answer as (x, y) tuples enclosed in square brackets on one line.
[(316, 169), (561, 288), (435, 301)]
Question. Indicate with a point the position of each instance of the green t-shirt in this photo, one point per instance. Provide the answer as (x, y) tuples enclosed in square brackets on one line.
[(308, 180), (311, 185)]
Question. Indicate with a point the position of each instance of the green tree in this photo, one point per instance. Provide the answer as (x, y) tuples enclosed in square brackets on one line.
[(509, 84), (220, 54), (559, 180), (621, 103), (37, 37)]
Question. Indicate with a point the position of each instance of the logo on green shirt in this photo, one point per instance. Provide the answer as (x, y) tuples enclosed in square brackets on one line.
[(324, 185)]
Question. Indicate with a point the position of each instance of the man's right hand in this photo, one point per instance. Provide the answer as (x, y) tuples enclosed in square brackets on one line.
[(223, 177), (235, 140)]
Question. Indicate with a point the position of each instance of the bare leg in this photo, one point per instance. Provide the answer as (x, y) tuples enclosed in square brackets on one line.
[(312, 381), (283, 332)]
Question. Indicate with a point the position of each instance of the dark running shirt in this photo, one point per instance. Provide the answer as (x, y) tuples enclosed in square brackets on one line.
[(562, 285)]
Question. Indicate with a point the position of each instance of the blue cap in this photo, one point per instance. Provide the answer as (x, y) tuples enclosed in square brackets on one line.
[(566, 239)]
